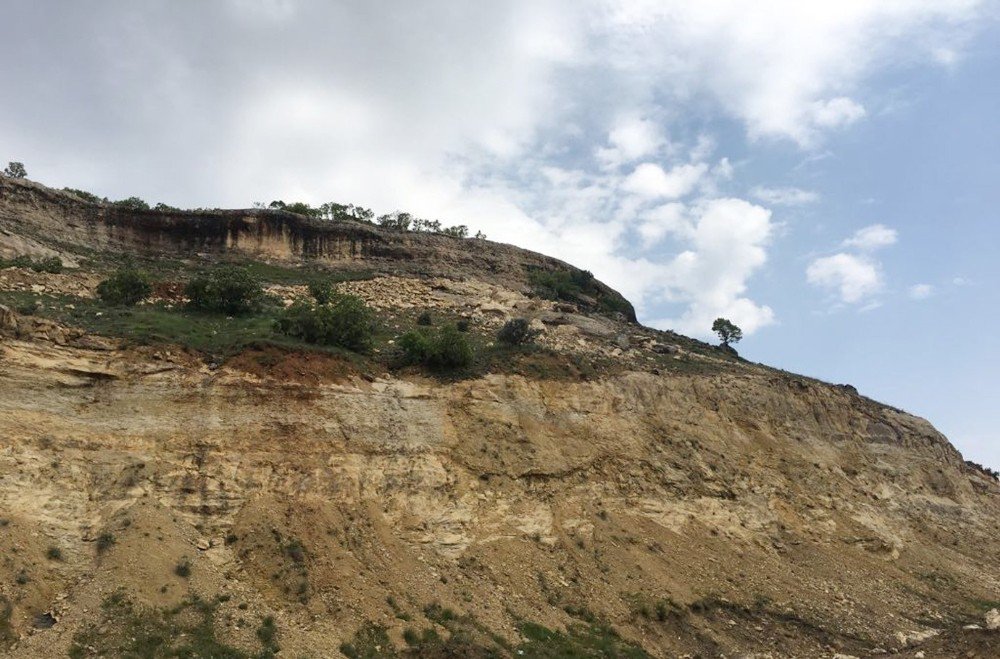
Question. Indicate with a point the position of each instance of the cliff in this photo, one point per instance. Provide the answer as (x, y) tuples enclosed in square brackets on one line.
[(616, 492)]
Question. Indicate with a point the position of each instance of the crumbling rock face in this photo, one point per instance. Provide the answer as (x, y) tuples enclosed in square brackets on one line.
[(683, 502)]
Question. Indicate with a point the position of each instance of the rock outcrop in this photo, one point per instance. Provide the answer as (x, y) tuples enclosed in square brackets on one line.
[(668, 498)]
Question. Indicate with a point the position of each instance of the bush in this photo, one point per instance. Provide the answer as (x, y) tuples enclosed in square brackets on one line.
[(517, 332), (104, 542), (443, 349), (346, 322), (52, 264), (132, 204), (566, 285), (127, 286), (183, 568), (424, 319), (83, 194), (230, 290), (54, 554), (321, 291)]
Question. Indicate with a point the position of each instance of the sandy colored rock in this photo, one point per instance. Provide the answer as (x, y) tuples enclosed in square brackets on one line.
[(715, 508)]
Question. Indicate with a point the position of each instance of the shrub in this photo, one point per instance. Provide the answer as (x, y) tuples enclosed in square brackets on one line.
[(104, 542), (443, 349), (132, 204), (54, 554), (52, 264), (425, 319), (127, 286), (562, 284), (83, 194), (183, 568), (267, 631), (321, 291), (517, 332), (346, 322), (230, 290)]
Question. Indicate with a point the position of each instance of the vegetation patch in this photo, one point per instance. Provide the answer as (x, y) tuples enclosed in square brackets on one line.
[(369, 641), (50, 264), (230, 290), (7, 635), (440, 349), (187, 630), (345, 321), (105, 542), (578, 287), (517, 332), (127, 286), (595, 640)]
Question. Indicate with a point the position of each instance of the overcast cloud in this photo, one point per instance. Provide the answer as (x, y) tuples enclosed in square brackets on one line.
[(559, 124)]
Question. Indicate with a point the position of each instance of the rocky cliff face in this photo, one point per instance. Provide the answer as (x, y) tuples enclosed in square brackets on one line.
[(623, 492)]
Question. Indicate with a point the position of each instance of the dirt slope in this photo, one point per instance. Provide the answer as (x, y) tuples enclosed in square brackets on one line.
[(618, 492)]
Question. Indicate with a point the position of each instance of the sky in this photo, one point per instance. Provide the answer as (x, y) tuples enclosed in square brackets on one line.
[(825, 175)]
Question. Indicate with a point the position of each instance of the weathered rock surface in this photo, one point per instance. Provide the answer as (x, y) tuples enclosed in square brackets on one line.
[(722, 512)]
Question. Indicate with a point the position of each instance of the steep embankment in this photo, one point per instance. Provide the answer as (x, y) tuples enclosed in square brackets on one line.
[(657, 495)]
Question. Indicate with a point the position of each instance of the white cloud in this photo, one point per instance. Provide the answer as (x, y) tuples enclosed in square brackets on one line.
[(852, 278), (650, 180), (661, 221), (632, 137), (872, 237), (726, 245), (784, 67), (836, 112), (784, 196), (921, 291)]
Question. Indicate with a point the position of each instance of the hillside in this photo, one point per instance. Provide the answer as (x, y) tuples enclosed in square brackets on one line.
[(181, 481)]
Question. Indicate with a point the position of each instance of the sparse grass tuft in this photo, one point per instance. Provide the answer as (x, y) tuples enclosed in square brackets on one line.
[(187, 630), (104, 542), (183, 568)]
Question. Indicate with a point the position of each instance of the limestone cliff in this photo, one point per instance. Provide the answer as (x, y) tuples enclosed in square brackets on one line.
[(620, 491)]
